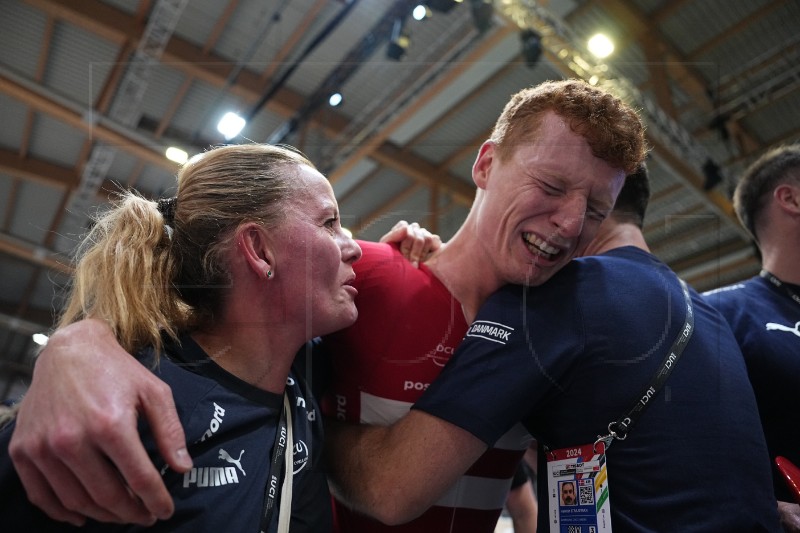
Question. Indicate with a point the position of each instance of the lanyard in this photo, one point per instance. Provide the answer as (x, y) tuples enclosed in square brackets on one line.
[(276, 469), (781, 285), (619, 428)]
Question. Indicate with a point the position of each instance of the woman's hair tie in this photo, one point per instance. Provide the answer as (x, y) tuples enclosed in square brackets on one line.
[(167, 206)]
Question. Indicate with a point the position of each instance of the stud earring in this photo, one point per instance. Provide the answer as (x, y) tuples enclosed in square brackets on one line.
[(269, 274)]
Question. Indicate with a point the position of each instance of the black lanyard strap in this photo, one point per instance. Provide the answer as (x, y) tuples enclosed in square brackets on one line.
[(619, 428), (276, 471), (780, 284)]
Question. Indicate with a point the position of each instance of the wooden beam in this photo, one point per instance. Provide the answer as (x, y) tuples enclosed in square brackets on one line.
[(37, 170), (33, 254), (74, 119), (659, 80), (103, 102), (166, 118), (692, 176), (407, 163), (219, 26), (117, 26), (11, 204), (469, 100), (100, 18)]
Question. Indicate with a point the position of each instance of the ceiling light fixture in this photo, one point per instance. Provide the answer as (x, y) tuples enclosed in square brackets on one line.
[(177, 155), (600, 46), (421, 12), (531, 46), (335, 99), (398, 44), (230, 125)]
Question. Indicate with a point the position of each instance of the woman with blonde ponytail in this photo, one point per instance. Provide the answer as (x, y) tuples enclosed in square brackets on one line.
[(217, 290)]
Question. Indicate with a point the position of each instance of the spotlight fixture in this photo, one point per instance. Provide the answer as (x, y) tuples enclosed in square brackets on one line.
[(335, 99), (421, 12), (177, 155), (531, 46), (230, 125), (398, 44), (482, 12), (600, 46), (713, 174)]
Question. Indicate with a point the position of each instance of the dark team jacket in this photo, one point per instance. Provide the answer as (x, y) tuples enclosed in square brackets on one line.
[(230, 429), (574, 354), (766, 322)]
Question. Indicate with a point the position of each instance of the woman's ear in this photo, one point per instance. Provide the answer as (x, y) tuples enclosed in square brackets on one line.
[(483, 164), (253, 244)]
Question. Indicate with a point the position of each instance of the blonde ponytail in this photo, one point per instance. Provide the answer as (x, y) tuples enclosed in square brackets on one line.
[(124, 275)]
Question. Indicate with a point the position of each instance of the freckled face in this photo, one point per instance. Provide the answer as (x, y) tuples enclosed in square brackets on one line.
[(544, 204), (314, 258)]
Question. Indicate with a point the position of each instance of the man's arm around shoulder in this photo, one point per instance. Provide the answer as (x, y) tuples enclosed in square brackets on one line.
[(76, 445), (395, 473)]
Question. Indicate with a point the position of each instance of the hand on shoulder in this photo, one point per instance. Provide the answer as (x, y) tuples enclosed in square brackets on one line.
[(76, 446)]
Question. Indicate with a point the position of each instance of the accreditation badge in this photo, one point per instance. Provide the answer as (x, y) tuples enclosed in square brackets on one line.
[(577, 485)]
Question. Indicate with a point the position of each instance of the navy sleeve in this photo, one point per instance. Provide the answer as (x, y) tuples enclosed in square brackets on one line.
[(511, 359)]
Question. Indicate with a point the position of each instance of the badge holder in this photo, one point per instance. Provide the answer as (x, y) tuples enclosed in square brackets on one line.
[(577, 485), (577, 477)]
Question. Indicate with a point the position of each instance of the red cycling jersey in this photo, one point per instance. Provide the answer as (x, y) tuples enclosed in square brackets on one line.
[(408, 327)]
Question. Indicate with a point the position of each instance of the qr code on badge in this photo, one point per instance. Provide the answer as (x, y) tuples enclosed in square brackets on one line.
[(586, 494)]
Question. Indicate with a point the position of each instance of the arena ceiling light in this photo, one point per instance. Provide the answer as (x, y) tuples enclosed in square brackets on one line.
[(421, 12), (231, 125), (177, 155), (335, 99), (600, 46)]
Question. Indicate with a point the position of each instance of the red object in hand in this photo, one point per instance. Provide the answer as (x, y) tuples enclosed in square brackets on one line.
[(791, 474)]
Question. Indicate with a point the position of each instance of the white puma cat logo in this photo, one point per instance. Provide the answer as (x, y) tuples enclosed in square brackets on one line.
[(238, 462), (779, 327)]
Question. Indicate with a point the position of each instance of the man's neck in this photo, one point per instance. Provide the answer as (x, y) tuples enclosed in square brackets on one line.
[(782, 263), (616, 235), (466, 275), (780, 244)]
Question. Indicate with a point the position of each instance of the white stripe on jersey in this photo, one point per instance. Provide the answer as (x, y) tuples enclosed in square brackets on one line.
[(383, 411)]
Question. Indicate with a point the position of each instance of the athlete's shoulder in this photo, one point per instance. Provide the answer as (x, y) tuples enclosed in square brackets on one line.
[(378, 256), (382, 266)]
